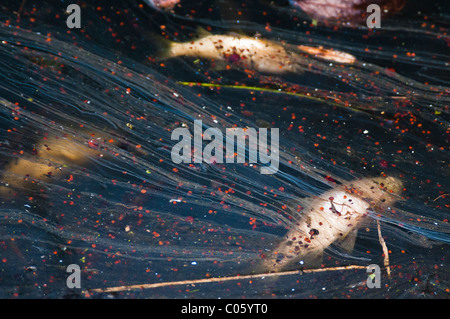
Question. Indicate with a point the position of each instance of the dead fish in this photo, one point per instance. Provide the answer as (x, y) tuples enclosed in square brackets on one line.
[(346, 11), (162, 4), (251, 53), (328, 54), (334, 217), (51, 158)]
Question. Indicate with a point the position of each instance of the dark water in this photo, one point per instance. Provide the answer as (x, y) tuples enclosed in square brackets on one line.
[(132, 216)]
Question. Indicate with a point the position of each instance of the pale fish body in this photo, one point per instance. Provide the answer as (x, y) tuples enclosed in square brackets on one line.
[(253, 53), (51, 158), (246, 52), (331, 217)]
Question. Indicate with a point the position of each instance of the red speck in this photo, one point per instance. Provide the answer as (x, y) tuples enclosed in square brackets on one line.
[(213, 160), (331, 179), (234, 57), (391, 70), (190, 219), (383, 163), (93, 144)]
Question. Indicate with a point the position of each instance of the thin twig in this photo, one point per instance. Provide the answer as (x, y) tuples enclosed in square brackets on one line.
[(440, 197), (22, 5), (385, 250), (210, 280)]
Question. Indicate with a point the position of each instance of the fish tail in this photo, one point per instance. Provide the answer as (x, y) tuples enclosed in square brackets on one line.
[(328, 54), (164, 47)]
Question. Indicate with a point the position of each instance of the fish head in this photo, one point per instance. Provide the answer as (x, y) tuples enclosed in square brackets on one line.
[(379, 190), (393, 184), (389, 184)]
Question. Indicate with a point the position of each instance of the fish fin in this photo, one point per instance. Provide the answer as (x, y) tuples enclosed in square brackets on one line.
[(219, 65), (347, 244), (202, 33), (163, 46)]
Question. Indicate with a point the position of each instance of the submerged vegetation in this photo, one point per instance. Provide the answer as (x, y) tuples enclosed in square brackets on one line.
[(87, 178)]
